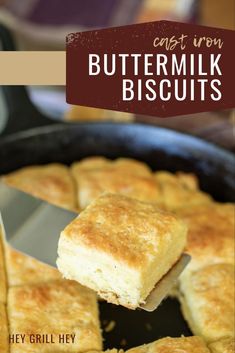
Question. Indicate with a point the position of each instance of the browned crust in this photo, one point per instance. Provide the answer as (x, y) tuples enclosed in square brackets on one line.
[(208, 301), (210, 233), (179, 190), (173, 345), (51, 182), (225, 345), (56, 307), (125, 176), (22, 269), (129, 230)]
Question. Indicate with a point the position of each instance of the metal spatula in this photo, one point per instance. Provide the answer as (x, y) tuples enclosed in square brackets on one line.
[(33, 227), (163, 287)]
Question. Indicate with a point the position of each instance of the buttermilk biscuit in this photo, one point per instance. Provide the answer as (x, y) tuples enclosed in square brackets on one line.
[(90, 163), (173, 345), (226, 345), (180, 189), (208, 301), (51, 182), (4, 346), (3, 280), (124, 164), (23, 269), (121, 247), (210, 234), (54, 308), (124, 176)]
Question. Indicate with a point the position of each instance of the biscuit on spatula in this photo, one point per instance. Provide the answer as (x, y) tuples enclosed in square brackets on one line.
[(121, 248)]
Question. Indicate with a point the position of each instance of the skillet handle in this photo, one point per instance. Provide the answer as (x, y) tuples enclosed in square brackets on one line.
[(22, 113)]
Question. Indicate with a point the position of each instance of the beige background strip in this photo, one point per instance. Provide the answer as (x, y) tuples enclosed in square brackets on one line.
[(33, 68)]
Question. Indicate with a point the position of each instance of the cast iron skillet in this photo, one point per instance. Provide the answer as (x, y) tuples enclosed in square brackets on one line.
[(31, 138)]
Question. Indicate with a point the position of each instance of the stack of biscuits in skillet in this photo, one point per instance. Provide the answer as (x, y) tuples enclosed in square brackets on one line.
[(35, 299)]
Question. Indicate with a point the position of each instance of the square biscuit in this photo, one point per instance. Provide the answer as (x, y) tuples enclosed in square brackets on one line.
[(52, 183), (121, 247), (173, 345), (4, 345), (210, 234), (208, 301), (179, 190), (23, 269), (55, 308), (95, 176)]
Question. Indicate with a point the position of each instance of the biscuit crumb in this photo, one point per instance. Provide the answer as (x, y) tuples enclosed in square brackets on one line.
[(123, 342), (110, 326)]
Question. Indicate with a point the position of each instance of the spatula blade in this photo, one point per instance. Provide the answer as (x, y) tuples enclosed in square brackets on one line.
[(32, 226), (163, 287)]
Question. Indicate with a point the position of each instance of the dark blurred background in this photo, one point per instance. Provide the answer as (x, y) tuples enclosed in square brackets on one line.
[(43, 25)]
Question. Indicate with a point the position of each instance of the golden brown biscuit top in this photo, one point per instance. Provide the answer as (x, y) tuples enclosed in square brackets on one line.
[(226, 345), (129, 230), (140, 187), (54, 308), (120, 164), (210, 296), (173, 345), (210, 233), (23, 269), (124, 176), (179, 179), (91, 163), (133, 166), (51, 182), (179, 190), (48, 296), (216, 283)]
